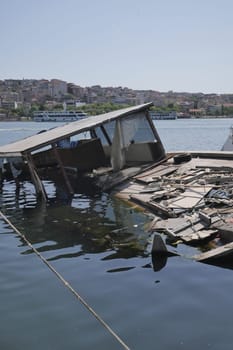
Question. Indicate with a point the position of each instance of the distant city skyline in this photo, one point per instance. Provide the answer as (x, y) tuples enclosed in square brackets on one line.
[(180, 46)]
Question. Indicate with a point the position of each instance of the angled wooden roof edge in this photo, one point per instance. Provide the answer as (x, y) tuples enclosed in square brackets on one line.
[(50, 136)]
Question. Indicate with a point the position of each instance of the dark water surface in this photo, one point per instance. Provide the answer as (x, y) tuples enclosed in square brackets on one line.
[(102, 248)]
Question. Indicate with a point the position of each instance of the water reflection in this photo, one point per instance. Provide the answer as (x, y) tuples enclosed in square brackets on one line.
[(158, 262), (76, 226), (224, 262), (73, 226)]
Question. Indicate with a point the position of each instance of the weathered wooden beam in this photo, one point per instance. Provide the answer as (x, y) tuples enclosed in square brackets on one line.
[(218, 253), (155, 207), (40, 190), (198, 236)]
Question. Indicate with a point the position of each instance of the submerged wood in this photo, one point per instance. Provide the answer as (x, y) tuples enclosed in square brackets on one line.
[(222, 252), (40, 190)]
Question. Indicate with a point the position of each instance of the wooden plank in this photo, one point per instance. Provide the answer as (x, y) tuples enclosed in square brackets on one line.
[(40, 190), (188, 228), (219, 164), (189, 198), (199, 235), (220, 179), (145, 201), (156, 173), (191, 176), (182, 225), (108, 181), (170, 223), (185, 202), (166, 171), (217, 253)]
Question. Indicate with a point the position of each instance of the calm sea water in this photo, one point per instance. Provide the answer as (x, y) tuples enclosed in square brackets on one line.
[(102, 248)]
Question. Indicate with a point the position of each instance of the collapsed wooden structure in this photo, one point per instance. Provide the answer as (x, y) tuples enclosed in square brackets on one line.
[(190, 195), (192, 202), (110, 141)]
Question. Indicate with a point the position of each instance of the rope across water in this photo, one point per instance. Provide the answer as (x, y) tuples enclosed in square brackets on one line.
[(66, 284)]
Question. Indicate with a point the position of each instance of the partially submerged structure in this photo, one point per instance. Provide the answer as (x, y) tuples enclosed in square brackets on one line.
[(111, 141), (190, 195)]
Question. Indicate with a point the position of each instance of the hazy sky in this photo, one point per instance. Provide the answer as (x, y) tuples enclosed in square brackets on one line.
[(179, 45)]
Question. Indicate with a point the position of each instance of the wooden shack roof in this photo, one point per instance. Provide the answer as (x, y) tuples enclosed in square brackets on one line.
[(38, 141)]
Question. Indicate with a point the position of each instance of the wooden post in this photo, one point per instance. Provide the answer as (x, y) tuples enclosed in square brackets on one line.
[(67, 182), (40, 190)]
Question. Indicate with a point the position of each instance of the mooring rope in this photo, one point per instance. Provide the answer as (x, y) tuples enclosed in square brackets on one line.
[(66, 284)]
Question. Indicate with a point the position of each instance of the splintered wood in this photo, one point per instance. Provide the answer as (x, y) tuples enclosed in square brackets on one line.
[(191, 201)]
